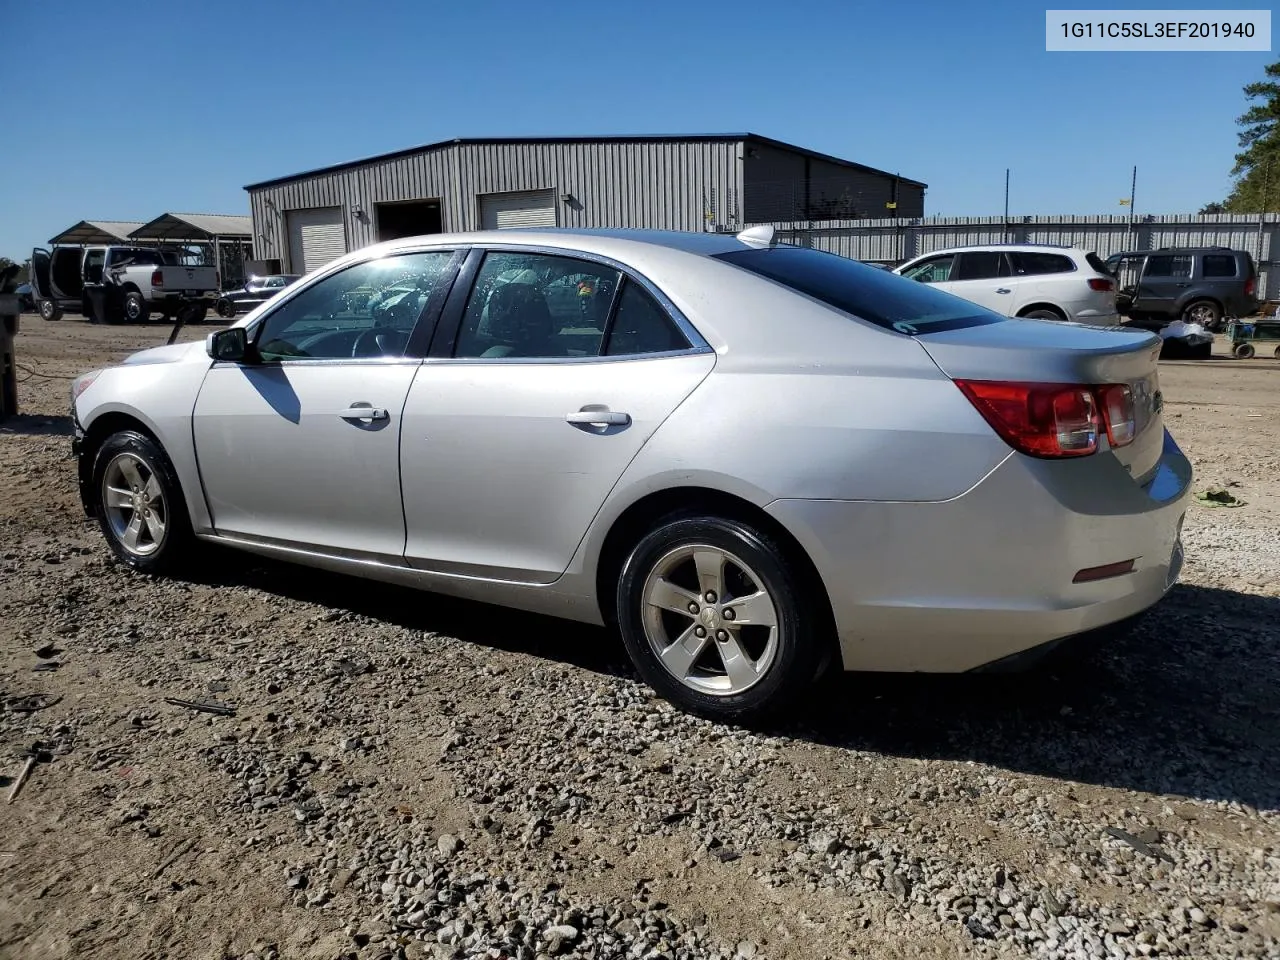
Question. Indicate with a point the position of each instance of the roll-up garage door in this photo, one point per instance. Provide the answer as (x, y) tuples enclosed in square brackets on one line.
[(507, 211), (316, 236)]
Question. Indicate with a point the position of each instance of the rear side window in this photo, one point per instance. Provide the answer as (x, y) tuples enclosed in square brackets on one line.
[(1218, 265), (981, 265), (1027, 263), (1167, 265), (641, 326), (877, 296)]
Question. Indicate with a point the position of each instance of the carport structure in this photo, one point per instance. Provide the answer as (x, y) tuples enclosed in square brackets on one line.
[(97, 232), (226, 236)]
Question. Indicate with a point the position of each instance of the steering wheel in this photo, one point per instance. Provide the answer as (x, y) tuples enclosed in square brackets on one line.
[(379, 341)]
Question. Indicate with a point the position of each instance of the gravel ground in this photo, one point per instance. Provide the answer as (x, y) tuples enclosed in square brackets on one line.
[(401, 775)]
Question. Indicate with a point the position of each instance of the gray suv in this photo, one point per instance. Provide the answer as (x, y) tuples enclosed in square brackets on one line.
[(1199, 284)]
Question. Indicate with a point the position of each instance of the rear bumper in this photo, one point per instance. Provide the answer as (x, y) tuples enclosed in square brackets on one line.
[(950, 586)]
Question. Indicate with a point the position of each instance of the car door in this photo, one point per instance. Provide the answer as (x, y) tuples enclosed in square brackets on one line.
[(1165, 277), (516, 429), (41, 281), (985, 277), (300, 444)]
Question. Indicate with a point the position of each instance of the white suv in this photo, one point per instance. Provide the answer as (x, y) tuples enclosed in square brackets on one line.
[(1023, 280)]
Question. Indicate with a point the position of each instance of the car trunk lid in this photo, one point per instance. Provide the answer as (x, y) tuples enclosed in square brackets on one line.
[(1038, 351)]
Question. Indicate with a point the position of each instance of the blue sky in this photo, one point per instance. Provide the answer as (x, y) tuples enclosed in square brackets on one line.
[(129, 110)]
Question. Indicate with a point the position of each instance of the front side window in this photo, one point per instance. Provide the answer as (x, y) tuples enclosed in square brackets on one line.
[(981, 265), (877, 296), (933, 270), (1165, 265), (366, 310), (1218, 266)]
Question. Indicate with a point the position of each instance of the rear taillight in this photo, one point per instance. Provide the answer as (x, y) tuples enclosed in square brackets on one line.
[(1101, 284), (157, 278), (1249, 287), (1115, 403), (1054, 419)]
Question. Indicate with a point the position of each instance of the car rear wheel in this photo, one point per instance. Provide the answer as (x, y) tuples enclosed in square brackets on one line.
[(713, 616), (139, 504), (1204, 312), (1043, 313), (50, 311), (135, 308)]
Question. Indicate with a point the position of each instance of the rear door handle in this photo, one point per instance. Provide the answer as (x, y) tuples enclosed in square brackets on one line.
[(363, 411), (1003, 290), (601, 418)]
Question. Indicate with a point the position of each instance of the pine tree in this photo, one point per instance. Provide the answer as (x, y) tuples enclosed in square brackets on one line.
[(1257, 169)]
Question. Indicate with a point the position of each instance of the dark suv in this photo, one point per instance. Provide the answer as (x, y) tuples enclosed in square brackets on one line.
[(1198, 284)]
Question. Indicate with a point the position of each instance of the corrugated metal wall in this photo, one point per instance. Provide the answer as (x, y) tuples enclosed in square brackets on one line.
[(892, 241), (678, 185)]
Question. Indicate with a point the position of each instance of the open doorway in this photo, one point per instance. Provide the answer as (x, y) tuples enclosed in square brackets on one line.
[(408, 218)]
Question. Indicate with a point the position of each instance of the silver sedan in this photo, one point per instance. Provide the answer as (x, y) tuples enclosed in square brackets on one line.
[(753, 460)]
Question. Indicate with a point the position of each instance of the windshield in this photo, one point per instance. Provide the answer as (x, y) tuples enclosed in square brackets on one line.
[(878, 296)]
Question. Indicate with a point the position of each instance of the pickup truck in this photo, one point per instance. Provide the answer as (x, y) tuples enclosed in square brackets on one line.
[(134, 281)]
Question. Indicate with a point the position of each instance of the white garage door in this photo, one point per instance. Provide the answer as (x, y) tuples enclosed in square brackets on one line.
[(315, 237), (507, 211)]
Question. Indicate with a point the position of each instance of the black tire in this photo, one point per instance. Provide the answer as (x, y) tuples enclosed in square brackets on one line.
[(50, 311), (136, 309), (1204, 312), (1244, 351), (226, 309), (173, 549), (799, 641), (1043, 313)]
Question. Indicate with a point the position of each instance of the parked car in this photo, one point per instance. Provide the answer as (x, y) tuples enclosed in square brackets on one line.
[(751, 458), (1203, 285), (134, 283), (1041, 282), (256, 290)]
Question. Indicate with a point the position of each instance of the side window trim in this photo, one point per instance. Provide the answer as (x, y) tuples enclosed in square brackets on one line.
[(450, 322), (428, 318)]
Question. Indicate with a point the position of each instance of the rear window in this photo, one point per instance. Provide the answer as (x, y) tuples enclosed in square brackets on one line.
[(877, 296), (1102, 266), (1219, 265)]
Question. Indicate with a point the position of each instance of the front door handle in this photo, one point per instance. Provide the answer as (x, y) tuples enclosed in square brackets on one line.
[(1003, 290), (599, 418), (364, 411)]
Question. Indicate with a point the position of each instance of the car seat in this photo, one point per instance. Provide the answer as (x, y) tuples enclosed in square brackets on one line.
[(520, 318)]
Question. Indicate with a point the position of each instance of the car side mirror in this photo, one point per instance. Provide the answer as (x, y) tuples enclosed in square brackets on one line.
[(230, 345)]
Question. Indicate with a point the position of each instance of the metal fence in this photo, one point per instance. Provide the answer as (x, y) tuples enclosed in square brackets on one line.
[(894, 241)]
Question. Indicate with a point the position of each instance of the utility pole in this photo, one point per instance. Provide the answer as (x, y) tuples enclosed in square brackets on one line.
[(1133, 193), (1004, 233), (1262, 216)]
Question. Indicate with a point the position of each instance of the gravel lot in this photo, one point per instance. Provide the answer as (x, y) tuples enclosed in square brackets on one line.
[(410, 776)]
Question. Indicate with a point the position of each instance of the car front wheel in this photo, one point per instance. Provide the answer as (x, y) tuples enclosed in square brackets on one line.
[(140, 505), (50, 311), (715, 619)]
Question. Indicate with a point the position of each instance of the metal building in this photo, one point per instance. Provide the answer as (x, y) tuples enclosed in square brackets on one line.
[(708, 182)]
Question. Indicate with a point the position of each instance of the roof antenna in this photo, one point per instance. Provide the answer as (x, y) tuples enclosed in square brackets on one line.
[(762, 236)]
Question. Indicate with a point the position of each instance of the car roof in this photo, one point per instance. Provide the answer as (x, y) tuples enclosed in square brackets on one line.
[(1143, 253), (593, 240), (1012, 247)]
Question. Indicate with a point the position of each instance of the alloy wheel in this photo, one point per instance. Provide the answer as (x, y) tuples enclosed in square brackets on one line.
[(134, 504), (710, 620)]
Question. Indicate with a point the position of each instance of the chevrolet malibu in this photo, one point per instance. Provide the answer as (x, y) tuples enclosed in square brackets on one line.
[(753, 460)]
